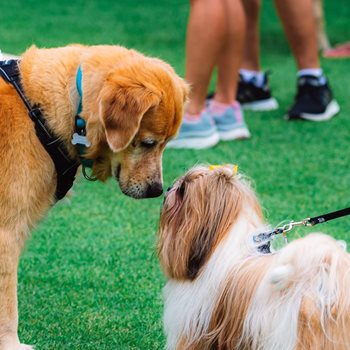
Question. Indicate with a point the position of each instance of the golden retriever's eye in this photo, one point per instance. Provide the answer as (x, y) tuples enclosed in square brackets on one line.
[(148, 143)]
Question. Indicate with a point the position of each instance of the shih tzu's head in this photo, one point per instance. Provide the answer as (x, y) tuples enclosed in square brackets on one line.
[(198, 212)]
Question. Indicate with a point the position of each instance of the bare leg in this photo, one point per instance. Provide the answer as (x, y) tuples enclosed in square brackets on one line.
[(299, 24), (251, 53), (322, 38), (230, 56), (215, 36), (205, 37)]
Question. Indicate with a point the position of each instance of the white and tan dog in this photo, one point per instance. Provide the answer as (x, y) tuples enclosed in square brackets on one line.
[(223, 294)]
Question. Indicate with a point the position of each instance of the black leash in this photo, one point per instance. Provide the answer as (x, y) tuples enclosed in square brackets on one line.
[(65, 166), (330, 216), (263, 240)]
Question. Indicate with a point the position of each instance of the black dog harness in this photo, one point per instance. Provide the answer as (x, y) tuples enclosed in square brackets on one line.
[(65, 166)]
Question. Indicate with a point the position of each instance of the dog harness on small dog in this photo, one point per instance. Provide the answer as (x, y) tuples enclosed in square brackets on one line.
[(66, 167), (263, 240)]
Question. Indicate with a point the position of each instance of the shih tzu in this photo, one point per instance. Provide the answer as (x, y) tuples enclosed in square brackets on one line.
[(223, 293)]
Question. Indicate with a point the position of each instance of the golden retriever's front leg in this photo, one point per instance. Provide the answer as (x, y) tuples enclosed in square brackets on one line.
[(10, 247)]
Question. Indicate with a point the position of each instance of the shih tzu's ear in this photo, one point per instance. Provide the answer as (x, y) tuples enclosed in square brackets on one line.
[(173, 200), (196, 216)]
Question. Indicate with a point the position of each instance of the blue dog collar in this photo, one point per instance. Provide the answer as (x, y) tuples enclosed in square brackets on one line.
[(79, 138), (78, 82)]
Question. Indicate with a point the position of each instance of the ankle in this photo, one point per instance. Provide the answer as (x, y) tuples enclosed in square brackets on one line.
[(255, 77), (195, 106), (315, 72), (218, 108), (192, 117)]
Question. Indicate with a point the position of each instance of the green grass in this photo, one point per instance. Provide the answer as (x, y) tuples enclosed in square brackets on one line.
[(89, 277)]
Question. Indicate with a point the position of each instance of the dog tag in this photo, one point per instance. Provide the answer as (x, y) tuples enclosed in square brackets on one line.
[(80, 140)]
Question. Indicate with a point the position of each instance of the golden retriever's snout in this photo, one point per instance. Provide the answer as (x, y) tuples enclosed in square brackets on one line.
[(154, 190), (138, 188), (138, 191)]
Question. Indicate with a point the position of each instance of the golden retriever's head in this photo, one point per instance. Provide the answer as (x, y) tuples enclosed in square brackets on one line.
[(140, 109)]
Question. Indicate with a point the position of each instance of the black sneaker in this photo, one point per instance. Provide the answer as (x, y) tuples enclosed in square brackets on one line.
[(314, 100), (255, 98)]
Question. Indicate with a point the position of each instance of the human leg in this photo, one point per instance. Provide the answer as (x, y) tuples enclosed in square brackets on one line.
[(230, 55), (205, 39), (253, 89), (213, 38), (225, 110), (314, 99), (251, 52), (300, 29)]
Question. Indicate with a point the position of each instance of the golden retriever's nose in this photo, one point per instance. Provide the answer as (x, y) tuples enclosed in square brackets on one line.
[(154, 190)]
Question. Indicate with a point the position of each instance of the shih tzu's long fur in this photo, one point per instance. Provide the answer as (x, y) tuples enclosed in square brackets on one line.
[(223, 294)]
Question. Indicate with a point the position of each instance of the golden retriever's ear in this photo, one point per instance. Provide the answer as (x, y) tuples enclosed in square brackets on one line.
[(123, 103)]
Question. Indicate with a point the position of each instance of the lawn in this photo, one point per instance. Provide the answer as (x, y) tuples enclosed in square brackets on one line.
[(89, 276)]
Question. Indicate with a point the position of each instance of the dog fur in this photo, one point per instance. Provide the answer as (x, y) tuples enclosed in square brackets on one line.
[(132, 105), (223, 294)]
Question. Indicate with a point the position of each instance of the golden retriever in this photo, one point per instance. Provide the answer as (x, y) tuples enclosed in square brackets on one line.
[(132, 105)]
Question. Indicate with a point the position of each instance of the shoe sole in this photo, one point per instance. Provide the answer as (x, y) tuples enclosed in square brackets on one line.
[(331, 110), (235, 134), (263, 105), (195, 142)]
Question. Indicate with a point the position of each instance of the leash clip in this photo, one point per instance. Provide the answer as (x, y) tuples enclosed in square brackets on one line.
[(263, 239), (86, 175), (290, 226)]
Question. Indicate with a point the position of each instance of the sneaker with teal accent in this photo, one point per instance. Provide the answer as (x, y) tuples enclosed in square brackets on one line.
[(231, 125), (196, 134)]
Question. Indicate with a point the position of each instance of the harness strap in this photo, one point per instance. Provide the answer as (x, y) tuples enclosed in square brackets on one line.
[(65, 166)]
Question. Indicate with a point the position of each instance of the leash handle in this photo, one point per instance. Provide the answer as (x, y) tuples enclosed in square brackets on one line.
[(330, 216)]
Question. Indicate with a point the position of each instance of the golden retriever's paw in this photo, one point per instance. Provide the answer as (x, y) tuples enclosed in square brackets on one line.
[(11, 342)]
